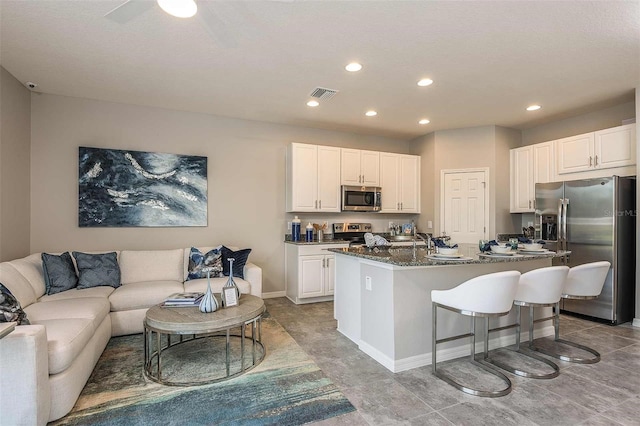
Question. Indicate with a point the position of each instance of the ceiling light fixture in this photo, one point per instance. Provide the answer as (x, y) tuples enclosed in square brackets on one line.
[(424, 121), (533, 107), (179, 8), (353, 67), (313, 103), (371, 113), (425, 82)]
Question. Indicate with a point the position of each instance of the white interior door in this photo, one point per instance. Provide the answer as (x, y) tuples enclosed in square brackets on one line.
[(465, 205)]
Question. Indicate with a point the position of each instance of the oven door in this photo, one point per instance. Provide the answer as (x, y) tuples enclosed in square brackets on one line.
[(361, 199)]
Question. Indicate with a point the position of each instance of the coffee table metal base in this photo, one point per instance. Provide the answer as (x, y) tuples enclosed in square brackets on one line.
[(157, 342)]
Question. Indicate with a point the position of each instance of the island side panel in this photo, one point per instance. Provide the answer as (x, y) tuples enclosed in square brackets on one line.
[(412, 311), (347, 299)]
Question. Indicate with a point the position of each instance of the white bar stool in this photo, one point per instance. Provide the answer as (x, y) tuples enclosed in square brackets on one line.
[(485, 296), (583, 282), (538, 288)]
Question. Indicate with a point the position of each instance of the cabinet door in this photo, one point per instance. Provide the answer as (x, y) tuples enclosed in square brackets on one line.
[(370, 168), (311, 279), (615, 147), (304, 177), (389, 172), (575, 154), (329, 274), (350, 167), (521, 172), (542, 163), (409, 184), (328, 179)]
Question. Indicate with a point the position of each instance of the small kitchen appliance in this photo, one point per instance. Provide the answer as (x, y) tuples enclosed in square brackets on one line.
[(361, 198)]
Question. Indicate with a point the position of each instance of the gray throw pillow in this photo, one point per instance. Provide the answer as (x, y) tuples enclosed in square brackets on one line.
[(59, 273), (10, 309), (97, 269)]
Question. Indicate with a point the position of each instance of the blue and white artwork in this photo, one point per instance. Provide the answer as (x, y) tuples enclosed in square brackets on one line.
[(134, 188)]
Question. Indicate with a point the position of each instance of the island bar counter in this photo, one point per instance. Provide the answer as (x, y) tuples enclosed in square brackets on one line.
[(382, 302)]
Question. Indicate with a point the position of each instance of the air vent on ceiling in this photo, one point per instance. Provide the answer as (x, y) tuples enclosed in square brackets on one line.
[(322, 93)]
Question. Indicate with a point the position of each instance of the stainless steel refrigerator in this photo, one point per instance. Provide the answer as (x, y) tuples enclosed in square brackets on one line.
[(595, 220)]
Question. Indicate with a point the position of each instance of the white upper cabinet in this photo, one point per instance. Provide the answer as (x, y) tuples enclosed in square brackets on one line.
[(604, 149), (313, 178), (615, 147), (360, 168), (400, 182), (529, 165)]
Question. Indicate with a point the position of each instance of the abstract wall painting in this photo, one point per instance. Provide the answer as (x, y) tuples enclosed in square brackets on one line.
[(133, 188)]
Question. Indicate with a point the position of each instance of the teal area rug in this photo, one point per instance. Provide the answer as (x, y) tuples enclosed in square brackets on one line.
[(287, 388)]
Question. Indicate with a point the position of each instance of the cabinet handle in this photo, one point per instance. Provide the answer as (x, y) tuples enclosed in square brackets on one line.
[(529, 203), (316, 207), (362, 178), (596, 163), (534, 203), (590, 161), (320, 204), (398, 206), (401, 206), (323, 260)]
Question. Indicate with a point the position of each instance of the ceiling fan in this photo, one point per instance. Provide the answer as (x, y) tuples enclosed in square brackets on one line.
[(210, 14)]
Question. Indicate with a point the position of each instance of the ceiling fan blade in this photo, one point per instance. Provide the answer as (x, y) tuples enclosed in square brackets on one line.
[(129, 10)]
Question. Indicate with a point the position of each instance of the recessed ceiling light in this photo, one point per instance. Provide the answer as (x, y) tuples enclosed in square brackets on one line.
[(533, 107), (353, 67), (313, 103), (424, 121), (425, 82), (179, 8), (371, 113)]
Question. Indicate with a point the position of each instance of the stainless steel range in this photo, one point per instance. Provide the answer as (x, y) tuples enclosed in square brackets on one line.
[(352, 232)]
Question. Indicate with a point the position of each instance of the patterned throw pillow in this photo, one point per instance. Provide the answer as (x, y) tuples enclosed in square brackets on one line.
[(59, 273), (97, 269), (240, 257), (199, 261), (10, 309)]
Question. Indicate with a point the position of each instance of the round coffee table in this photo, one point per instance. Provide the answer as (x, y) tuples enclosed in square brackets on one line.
[(189, 324)]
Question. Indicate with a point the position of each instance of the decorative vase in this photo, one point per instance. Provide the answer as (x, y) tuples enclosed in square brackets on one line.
[(230, 284), (209, 303)]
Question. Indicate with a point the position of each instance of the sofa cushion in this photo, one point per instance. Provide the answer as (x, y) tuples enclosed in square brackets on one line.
[(10, 309), (58, 272), (199, 261), (91, 308), (31, 268), (143, 294), (66, 338), (200, 285), (240, 257), (97, 269), (75, 293), (17, 284), (151, 265)]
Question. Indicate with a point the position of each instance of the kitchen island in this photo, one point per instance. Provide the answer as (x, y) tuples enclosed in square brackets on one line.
[(382, 301)]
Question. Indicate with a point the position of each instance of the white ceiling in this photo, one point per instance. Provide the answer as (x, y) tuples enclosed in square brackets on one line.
[(260, 60)]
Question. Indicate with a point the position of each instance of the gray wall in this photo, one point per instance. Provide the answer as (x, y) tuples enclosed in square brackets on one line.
[(246, 161), (583, 123), (15, 134)]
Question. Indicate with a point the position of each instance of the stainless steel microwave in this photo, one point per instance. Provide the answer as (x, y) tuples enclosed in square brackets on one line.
[(361, 198)]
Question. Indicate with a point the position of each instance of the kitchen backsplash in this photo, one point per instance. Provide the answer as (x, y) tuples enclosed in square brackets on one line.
[(379, 222)]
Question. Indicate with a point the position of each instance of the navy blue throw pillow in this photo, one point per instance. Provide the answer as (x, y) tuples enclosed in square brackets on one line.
[(59, 273), (200, 262), (10, 309), (97, 269), (240, 257)]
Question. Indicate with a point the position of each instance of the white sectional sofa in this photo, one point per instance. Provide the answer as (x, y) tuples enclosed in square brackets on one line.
[(45, 365)]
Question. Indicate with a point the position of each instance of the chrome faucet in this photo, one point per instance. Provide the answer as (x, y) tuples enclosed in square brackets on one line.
[(426, 240)]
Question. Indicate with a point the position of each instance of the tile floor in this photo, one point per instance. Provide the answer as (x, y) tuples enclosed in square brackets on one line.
[(606, 393)]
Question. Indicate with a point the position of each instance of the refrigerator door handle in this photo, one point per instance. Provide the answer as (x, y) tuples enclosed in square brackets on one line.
[(565, 237)]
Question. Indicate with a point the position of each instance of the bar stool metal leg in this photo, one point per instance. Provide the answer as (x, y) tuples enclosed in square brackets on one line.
[(447, 378), (555, 369), (567, 358)]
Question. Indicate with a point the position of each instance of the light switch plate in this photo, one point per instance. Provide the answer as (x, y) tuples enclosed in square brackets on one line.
[(367, 283)]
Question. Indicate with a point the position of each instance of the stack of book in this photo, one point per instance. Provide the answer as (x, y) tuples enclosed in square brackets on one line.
[(183, 300)]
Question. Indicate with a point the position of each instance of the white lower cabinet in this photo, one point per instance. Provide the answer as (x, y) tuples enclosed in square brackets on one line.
[(310, 272)]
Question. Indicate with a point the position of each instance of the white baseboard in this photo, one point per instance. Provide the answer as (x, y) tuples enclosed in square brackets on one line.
[(636, 322), (273, 294), (446, 354)]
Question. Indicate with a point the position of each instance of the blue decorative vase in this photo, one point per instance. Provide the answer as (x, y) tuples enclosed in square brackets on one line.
[(209, 303)]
